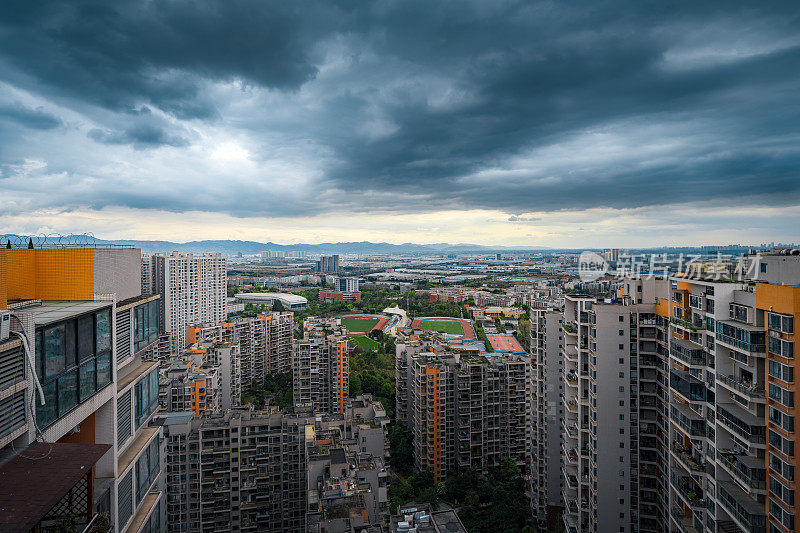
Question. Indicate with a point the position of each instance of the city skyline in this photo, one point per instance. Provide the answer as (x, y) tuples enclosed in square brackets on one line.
[(507, 124)]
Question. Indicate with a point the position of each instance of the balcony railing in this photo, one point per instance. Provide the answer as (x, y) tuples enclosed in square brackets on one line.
[(688, 489), (747, 468), (686, 524), (683, 323), (686, 457), (688, 352), (740, 506), (752, 389), (100, 523), (753, 430)]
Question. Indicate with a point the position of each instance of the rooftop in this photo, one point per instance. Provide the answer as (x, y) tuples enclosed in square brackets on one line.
[(50, 312), (284, 297)]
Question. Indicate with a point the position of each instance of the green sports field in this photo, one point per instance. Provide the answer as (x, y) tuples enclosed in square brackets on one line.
[(365, 343), (453, 328), (359, 325)]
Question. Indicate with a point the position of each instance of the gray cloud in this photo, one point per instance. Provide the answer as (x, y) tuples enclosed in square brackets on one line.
[(523, 220), (37, 118), (140, 136), (413, 106)]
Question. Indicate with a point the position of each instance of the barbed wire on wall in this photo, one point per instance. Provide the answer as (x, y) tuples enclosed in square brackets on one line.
[(56, 240)]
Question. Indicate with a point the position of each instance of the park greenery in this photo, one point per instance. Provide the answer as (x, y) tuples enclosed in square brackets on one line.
[(481, 334), (372, 370), (276, 390), (491, 501)]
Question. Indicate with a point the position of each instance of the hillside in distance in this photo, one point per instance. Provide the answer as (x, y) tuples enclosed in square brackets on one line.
[(232, 247)]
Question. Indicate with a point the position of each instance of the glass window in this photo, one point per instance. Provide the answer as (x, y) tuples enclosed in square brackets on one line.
[(147, 468), (54, 351), (47, 413), (138, 327), (67, 392), (153, 390), (103, 331), (142, 399), (153, 321), (87, 380), (39, 351), (69, 344), (103, 371), (85, 337)]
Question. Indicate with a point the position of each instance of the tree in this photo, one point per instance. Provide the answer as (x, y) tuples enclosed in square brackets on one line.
[(401, 447), (277, 306)]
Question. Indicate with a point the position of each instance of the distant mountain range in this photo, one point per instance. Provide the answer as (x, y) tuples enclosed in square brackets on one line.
[(233, 247)]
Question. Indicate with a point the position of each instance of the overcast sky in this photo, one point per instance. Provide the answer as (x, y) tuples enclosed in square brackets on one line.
[(576, 124)]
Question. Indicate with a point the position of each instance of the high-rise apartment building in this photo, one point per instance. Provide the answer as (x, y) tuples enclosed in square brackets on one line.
[(291, 471), (76, 394), (732, 392), (264, 341), (547, 411), (679, 397), (320, 367), (465, 410), (328, 264), (614, 422), (193, 290), (777, 292), (239, 471), (193, 389)]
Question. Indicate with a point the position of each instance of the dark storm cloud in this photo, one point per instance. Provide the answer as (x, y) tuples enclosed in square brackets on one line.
[(115, 53), (140, 136), (37, 118), (449, 105)]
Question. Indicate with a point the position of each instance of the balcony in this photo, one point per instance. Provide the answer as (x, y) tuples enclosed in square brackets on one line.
[(572, 456), (685, 324), (751, 389), (571, 352), (649, 360), (688, 352), (572, 406), (571, 379), (691, 388), (743, 424), (686, 458), (748, 470), (688, 490), (748, 513), (742, 336), (685, 523)]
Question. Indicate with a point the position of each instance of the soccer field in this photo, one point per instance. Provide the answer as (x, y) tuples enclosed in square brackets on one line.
[(359, 325), (365, 343), (454, 328)]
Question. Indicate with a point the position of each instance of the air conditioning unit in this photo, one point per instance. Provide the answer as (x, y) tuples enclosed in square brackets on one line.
[(5, 325)]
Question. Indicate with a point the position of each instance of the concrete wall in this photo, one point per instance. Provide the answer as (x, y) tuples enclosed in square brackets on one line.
[(608, 423)]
